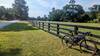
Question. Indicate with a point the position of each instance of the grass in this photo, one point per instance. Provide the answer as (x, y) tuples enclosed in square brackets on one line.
[(21, 39)]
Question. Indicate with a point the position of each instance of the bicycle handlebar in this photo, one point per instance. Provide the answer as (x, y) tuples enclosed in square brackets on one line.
[(86, 33)]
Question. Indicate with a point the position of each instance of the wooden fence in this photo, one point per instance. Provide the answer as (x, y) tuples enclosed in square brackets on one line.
[(56, 27)]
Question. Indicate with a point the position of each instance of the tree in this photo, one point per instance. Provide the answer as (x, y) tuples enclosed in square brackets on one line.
[(6, 13), (39, 18), (20, 9), (73, 12), (98, 17), (55, 15), (9, 14), (2, 12), (95, 12), (84, 18), (45, 18)]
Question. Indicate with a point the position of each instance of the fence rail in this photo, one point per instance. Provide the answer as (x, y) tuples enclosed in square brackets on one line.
[(55, 28), (56, 25)]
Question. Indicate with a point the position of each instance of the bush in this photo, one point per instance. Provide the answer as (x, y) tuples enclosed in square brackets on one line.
[(95, 21)]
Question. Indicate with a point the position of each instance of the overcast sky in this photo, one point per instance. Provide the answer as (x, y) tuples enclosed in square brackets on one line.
[(41, 7)]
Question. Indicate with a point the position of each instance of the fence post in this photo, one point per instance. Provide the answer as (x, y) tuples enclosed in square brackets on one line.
[(75, 30), (36, 24), (58, 29), (39, 25), (32, 21), (48, 27), (43, 25)]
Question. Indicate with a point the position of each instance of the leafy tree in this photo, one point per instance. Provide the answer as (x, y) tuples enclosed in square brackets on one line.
[(84, 18), (39, 18), (6, 13), (98, 17), (2, 12), (20, 9), (73, 12), (45, 18), (55, 15), (9, 14), (95, 12)]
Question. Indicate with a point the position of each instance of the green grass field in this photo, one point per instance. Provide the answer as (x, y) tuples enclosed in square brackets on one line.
[(21, 39)]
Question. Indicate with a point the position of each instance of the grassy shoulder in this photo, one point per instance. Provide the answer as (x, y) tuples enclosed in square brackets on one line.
[(21, 39)]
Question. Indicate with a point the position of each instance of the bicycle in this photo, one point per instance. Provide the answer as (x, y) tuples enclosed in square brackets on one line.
[(75, 39)]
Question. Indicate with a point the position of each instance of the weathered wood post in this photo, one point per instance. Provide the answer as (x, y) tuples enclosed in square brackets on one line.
[(43, 25), (39, 25), (75, 30), (58, 29), (36, 24), (48, 27), (32, 22)]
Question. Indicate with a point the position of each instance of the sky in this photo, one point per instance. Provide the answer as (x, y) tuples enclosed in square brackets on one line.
[(43, 7)]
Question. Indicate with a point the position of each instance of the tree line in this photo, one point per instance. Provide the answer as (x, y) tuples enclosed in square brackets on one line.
[(69, 13), (18, 11), (73, 13)]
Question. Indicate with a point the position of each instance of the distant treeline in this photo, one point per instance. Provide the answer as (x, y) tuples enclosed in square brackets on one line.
[(18, 11), (73, 13), (70, 13)]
